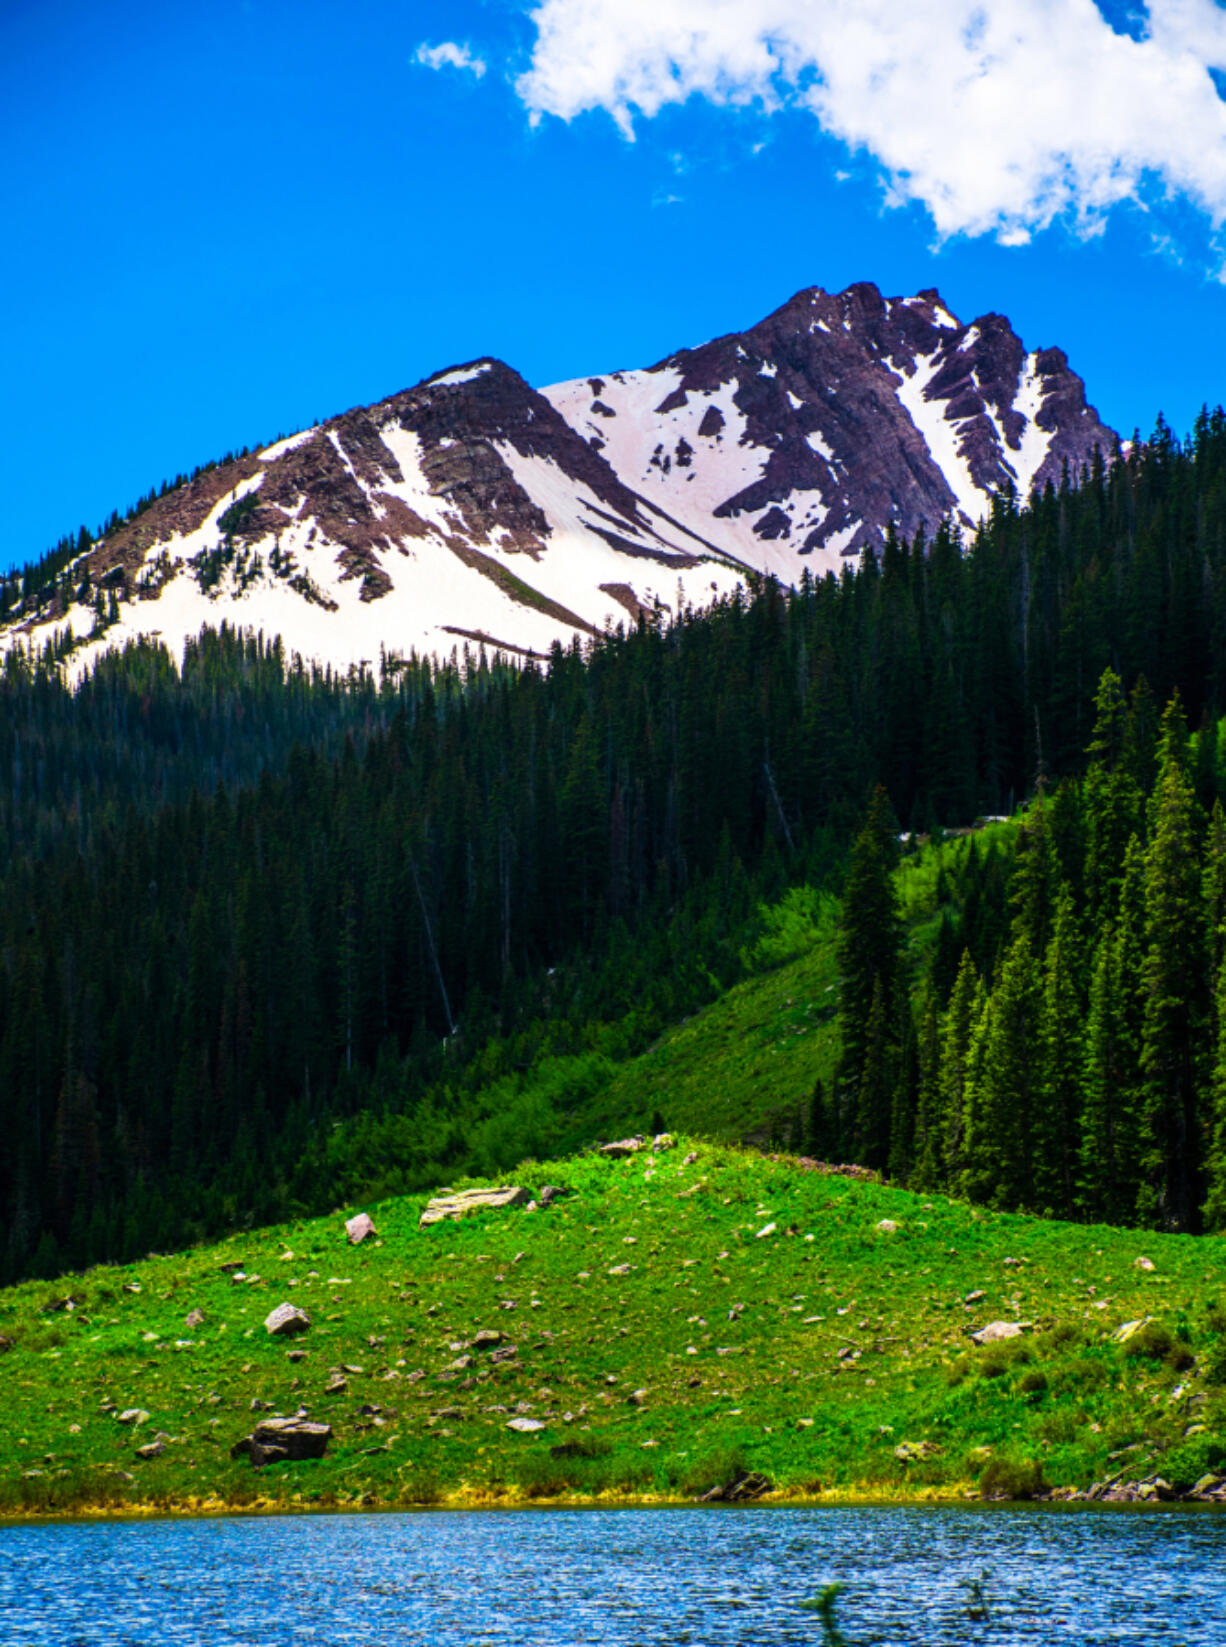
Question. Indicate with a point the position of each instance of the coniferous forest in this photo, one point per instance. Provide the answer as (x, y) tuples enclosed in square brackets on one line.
[(259, 927)]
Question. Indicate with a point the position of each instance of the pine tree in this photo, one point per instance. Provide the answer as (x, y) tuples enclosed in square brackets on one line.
[(1005, 1088), (945, 1154), (870, 965), (1176, 994), (1061, 1032), (1215, 1164)]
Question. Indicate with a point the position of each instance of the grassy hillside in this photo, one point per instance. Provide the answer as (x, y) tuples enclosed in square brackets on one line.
[(756, 1312), (745, 1067)]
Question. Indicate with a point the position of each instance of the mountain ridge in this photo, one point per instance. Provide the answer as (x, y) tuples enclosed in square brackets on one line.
[(474, 508)]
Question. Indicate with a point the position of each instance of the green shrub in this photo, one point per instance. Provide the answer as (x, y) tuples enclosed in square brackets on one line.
[(715, 1467), (1012, 1478), (1060, 1428), (1152, 1342), (1033, 1382), (1183, 1466)]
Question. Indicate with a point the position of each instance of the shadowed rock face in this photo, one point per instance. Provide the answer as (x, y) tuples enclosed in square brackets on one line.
[(858, 411), (475, 506)]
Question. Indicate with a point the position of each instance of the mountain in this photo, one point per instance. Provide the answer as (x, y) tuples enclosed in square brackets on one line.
[(474, 508)]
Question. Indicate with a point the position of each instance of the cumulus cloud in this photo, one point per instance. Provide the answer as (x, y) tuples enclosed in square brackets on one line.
[(997, 116), (449, 55)]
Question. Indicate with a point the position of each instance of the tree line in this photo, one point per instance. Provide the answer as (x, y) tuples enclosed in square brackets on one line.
[(240, 901)]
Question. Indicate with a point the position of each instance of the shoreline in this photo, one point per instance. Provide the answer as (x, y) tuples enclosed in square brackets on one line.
[(213, 1507)]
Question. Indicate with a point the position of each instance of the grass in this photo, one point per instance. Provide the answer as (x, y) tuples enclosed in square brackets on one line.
[(745, 1067), (811, 1353)]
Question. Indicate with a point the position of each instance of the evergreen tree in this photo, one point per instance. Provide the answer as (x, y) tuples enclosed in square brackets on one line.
[(870, 966), (1176, 994), (1005, 1092), (1061, 1032)]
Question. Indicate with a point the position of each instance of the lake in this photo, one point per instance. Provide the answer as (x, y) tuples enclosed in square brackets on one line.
[(619, 1578)]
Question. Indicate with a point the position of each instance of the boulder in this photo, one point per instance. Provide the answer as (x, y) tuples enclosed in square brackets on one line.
[(690, 1158), (487, 1339), (996, 1331), (908, 1452), (740, 1490), (286, 1321), (663, 1141), (276, 1439), (195, 1319), (359, 1227), (1142, 1263), (135, 1416), (887, 1226), (525, 1426), (554, 1192), (1130, 1329), (151, 1449), (463, 1202), (507, 1353), (622, 1147)]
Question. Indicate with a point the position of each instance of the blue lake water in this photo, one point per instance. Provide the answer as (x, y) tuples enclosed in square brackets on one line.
[(618, 1578)]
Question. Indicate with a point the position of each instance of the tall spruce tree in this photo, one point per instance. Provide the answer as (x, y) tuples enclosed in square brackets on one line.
[(870, 985), (1173, 1059)]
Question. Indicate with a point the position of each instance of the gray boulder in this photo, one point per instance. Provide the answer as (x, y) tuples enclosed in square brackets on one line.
[(474, 1200), (275, 1440), (286, 1321), (359, 1227)]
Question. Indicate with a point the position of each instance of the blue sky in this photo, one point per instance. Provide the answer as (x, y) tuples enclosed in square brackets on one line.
[(224, 222)]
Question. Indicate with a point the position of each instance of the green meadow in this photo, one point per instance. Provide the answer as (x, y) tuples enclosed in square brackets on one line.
[(668, 1323)]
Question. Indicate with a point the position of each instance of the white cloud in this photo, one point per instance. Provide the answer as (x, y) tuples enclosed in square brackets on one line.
[(998, 116), (449, 55)]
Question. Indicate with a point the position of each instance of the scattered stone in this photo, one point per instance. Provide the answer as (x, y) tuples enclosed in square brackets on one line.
[(359, 1227), (637, 1398), (337, 1385), (277, 1439), (152, 1449), (1130, 1329), (461, 1363), (194, 1319), (295, 1355), (909, 1451), (741, 1490), (689, 1160), (663, 1141), (554, 1192), (456, 1206), (230, 1267), (887, 1226), (974, 1297), (767, 1229), (525, 1426), (135, 1416), (6, 1344), (996, 1331), (134, 1286), (287, 1321), (487, 1339), (258, 1406), (622, 1147), (507, 1353), (1143, 1263)]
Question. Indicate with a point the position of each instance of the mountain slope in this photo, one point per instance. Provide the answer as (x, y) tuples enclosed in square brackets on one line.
[(473, 509)]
